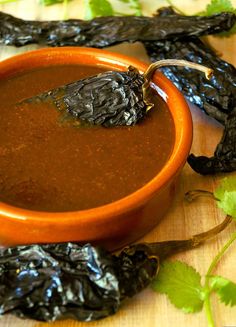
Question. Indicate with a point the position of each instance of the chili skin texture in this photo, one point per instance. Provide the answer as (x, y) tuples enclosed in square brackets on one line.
[(224, 159), (104, 31), (62, 280), (109, 99), (50, 282), (216, 97), (68, 280)]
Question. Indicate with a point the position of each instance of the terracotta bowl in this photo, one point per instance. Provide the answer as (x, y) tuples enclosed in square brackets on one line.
[(123, 221)]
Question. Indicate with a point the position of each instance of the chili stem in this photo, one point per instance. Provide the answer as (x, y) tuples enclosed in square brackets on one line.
[(168, 62), (174, 62), (190, 243), (202, 237), (207, 303)]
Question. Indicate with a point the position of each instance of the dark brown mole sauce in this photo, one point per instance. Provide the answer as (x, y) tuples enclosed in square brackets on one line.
[(50, 166)]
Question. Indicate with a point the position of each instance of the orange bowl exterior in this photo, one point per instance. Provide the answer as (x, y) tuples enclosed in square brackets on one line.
[(123, 221)]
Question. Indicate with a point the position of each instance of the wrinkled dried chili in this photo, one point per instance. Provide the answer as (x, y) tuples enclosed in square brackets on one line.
[(104, 31), (111, 98), (220, 93), (217, 96), (67, 280), (224, 159)]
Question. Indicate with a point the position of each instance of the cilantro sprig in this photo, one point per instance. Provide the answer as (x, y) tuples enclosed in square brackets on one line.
[(225, 289), (214, 7), (226, 196), (96, 8), (218, 6), (184, 286)]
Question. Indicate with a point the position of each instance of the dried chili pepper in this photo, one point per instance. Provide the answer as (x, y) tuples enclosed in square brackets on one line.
[(67, 280), (217, 96), (111, 98), (49, 282), (104, 31), (224, 159)]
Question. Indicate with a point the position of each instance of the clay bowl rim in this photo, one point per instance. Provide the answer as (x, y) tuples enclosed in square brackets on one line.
[(183, 135)]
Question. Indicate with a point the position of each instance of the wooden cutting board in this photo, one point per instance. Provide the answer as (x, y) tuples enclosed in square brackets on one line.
[(149, 309)]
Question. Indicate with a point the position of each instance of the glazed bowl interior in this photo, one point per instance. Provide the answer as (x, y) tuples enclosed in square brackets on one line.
[(88, 222)]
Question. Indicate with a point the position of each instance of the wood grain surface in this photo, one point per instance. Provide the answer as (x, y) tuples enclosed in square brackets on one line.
[(149, 309)]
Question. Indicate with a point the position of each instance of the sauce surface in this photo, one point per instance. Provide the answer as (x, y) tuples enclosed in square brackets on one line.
[(48, 165)]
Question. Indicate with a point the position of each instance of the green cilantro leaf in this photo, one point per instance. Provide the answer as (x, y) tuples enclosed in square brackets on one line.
[(225, 289), (97, 8), (182, 284), (226, 195), (218, 6)]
